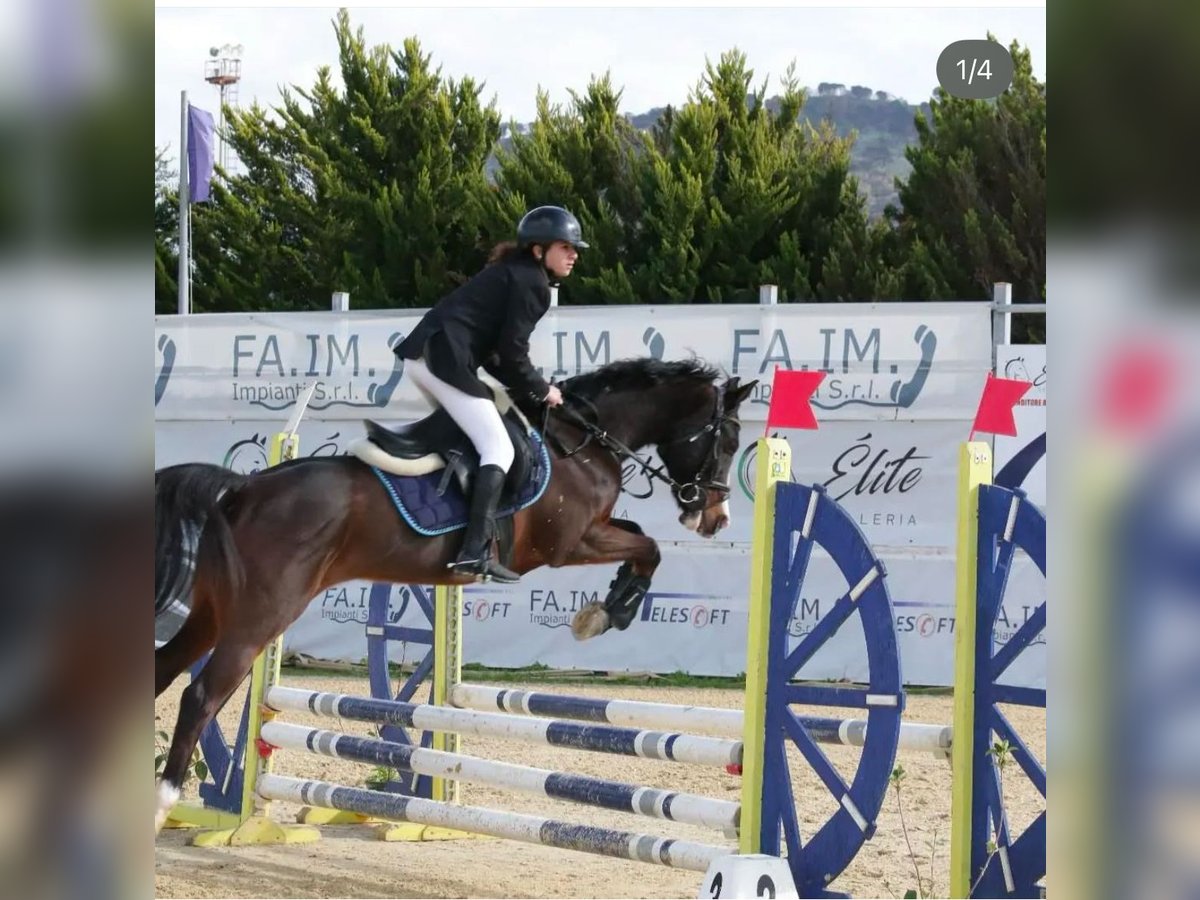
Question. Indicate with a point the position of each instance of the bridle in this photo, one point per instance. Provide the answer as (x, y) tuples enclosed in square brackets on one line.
[(693, 496)]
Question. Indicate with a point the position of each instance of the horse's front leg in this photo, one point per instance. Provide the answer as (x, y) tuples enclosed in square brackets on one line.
[(616, 540)]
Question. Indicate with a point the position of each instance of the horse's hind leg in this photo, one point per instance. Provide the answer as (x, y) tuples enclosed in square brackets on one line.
[(273, 597), (190, 643), (201, 701)]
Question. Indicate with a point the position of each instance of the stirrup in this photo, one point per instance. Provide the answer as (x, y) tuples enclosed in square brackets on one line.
[(484, 570), (476, 566)]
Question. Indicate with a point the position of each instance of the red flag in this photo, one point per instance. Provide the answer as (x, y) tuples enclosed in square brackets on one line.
[(790, 395), (1135, 388), (995, 414)]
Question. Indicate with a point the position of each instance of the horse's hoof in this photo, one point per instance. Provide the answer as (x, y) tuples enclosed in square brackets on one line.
[(168, 796), (591, 621)]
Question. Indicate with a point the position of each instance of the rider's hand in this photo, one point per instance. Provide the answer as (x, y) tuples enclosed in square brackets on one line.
[(554, 398)]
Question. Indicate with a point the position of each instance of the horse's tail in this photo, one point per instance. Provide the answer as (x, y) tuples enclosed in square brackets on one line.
[(187, 509)]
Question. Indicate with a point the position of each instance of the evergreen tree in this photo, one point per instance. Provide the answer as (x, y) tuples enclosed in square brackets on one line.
[(372, 189), (722, 195), (166, 236), (380, 188), (779, 205), (585, 157), (973, 210)]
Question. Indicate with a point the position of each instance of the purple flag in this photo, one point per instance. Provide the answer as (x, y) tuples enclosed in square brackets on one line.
[(200, 153)]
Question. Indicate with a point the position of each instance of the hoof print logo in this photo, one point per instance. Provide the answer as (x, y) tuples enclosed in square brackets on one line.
[(654, 342), (166, 347)]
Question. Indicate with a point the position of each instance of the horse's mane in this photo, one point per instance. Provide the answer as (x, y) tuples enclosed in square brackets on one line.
[(638, 374)]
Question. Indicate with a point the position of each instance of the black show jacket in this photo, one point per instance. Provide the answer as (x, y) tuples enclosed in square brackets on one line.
[(486, 322)]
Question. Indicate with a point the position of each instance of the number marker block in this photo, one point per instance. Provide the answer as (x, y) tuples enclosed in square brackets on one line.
[(750, 875)]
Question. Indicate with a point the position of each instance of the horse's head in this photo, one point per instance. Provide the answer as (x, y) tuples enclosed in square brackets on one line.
[(698, 454), (679, 408)]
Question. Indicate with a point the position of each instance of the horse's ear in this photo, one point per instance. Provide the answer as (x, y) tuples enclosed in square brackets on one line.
[(736, 393)]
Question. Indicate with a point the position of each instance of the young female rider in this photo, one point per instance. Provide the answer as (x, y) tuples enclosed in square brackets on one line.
[(487, 322)]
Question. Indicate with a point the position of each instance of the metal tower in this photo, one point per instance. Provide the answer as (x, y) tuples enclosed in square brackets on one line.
[(224, 69)]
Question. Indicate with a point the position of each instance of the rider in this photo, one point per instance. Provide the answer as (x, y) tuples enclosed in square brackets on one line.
[(487, 321)]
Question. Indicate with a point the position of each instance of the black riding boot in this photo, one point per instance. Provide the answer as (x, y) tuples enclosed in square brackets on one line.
[(475, 558)]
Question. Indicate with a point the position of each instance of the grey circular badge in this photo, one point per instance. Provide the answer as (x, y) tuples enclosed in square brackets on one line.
[(975, 69)]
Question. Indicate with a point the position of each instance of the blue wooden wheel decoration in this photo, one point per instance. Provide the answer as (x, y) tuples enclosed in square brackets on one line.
[(222, 789), (1007, 521), (380, 630), (804, 517)]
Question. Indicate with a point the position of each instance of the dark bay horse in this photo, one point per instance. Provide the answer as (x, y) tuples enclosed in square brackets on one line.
[(272, 541)]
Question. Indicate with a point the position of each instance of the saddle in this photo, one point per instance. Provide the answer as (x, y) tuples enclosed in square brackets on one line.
[(436, 443)]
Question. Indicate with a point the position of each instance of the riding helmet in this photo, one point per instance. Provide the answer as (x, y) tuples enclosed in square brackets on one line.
[(547, 224)]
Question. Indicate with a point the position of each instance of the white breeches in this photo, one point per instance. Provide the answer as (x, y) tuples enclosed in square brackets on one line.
[(477, 417)]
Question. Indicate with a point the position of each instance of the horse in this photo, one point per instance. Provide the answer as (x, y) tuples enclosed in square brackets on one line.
[(271, 541)]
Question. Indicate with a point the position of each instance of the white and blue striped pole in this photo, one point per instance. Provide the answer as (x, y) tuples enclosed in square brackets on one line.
[(496, 823), (669, 746), (915, 736), (629, 713), (647, 801)]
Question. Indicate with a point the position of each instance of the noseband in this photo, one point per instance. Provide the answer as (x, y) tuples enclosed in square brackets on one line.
[(692, 495)]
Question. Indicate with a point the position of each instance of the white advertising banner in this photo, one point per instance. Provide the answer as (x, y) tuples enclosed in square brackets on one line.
[(693, 620), (884, 360), (897, 479), (902, 387)]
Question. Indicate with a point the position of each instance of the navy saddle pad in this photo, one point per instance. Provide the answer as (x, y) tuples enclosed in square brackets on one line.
[(417, 500)]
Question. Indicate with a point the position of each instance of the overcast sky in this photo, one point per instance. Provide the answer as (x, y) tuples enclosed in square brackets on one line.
[(656, 55)]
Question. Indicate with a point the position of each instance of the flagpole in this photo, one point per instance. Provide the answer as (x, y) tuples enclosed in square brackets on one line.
[(184, 226)]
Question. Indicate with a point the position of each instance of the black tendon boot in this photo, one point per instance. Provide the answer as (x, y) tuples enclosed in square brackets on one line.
[(475, 558)]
